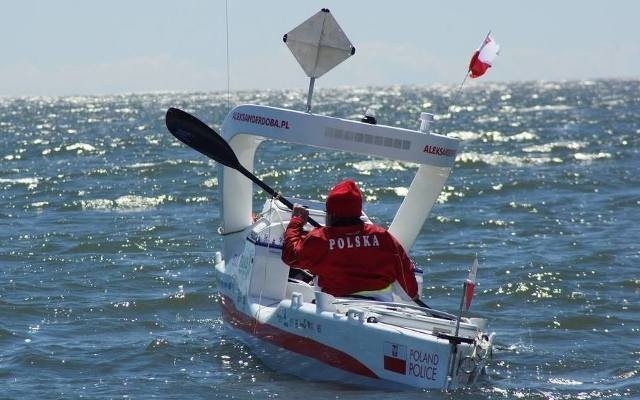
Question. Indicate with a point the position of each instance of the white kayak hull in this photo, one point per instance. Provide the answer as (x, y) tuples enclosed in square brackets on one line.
[(360, 343)]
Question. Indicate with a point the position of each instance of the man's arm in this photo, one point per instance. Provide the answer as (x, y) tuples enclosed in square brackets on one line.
[(405, 275), (294, 236)]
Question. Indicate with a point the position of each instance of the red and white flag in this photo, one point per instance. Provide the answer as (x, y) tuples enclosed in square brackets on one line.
[(483, 57), (395, 358), (470, 284)]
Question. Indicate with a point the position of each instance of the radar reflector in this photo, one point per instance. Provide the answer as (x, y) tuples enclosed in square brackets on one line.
[(318, 44)]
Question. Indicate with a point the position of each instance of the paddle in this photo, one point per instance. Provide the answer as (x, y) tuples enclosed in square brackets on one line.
[(199, 136)]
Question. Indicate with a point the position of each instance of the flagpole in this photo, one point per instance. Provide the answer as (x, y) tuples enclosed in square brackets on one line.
[(454, 343), (484, 40), (455, 99), (455, 340), (464, 291)]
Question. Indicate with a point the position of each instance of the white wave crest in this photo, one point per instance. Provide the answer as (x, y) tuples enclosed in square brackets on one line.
[(546, 107), (21, 181), (143, 165), (493, 136), (564, 381), (366, 167), (80, 147), (31, 183), (96, 204), (127, 202), (464, 135), (591, 157), (501, 159), (401, 191), (132, 201), (213, 182), (549, 147)]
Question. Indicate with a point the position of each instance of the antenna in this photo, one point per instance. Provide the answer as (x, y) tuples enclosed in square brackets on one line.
[(226, 24), (318, 44)]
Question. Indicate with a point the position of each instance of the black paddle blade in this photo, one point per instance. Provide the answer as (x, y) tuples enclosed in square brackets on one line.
[(199, 136)]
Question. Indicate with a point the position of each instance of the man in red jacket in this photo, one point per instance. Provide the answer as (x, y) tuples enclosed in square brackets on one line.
[(348, 256)]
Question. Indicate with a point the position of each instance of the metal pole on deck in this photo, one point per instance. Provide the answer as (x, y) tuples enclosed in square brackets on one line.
[(454, 343), (312, 82)]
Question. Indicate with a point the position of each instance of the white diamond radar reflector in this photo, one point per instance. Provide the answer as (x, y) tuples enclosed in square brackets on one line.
[(319, 44)]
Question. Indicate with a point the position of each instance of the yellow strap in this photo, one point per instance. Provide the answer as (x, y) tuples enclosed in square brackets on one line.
[(372, 293)]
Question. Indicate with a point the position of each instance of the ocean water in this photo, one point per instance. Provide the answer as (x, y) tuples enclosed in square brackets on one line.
[(108, 230)]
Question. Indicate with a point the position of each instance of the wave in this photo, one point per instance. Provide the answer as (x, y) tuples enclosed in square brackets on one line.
[(79, 148), (546, 107), (591, 156), (31, 183), (127, 202), (210, 183), (503, 159), (549, 147), (366, 167), (493, 136)]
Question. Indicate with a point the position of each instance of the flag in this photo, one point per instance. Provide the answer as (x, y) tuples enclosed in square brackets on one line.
[(483, 57), (395, 358), (470, 284)]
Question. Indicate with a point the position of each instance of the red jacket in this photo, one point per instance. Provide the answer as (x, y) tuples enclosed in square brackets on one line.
[(349, 259)]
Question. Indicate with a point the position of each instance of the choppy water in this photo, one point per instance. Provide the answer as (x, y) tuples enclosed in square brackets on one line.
[(108, 228)]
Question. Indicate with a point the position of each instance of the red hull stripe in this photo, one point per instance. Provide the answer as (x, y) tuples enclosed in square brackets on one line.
[(297, 344)]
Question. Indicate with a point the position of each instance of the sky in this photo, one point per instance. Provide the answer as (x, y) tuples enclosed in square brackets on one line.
[(90, 47)]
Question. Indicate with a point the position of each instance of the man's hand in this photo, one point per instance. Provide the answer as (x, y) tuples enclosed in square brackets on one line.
[(300, 211)]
